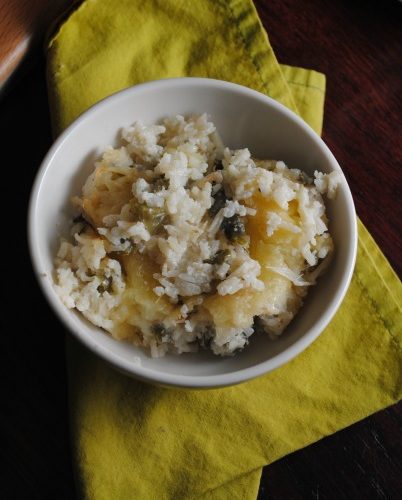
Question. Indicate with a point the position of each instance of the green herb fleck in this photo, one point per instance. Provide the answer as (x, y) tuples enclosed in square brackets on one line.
[(159, 183), (218, 258), (205, 336), (154, 218), (219, 202), (233, 227), (161, 332), (106, 285)]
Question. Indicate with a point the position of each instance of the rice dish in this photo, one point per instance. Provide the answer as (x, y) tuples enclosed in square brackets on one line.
[(180, 243)]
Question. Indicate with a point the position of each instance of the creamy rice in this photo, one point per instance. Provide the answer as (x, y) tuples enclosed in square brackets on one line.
[(181, 243)]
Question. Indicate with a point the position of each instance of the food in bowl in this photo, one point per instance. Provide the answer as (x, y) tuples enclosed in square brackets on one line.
[(181, 243)]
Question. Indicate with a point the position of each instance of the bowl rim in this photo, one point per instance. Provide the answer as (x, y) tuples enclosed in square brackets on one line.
[(137, 370)]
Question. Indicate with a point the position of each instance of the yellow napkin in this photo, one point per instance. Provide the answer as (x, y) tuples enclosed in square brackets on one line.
[(133, 440)]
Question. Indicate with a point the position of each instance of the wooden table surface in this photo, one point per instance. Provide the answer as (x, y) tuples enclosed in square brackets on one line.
[(358, 45)]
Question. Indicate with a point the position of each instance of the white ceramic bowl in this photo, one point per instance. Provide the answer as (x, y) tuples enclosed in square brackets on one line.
[(244, 118)]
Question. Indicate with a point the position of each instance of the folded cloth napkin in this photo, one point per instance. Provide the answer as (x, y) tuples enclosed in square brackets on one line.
[(133, 440)]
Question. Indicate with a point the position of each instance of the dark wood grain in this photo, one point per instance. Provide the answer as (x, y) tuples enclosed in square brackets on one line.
[(358, 45), (22, 24)]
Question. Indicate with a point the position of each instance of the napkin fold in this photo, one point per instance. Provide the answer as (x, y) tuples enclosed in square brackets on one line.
[(134, 440)]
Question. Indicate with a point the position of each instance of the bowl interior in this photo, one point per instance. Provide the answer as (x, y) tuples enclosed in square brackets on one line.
[(244, 119)]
